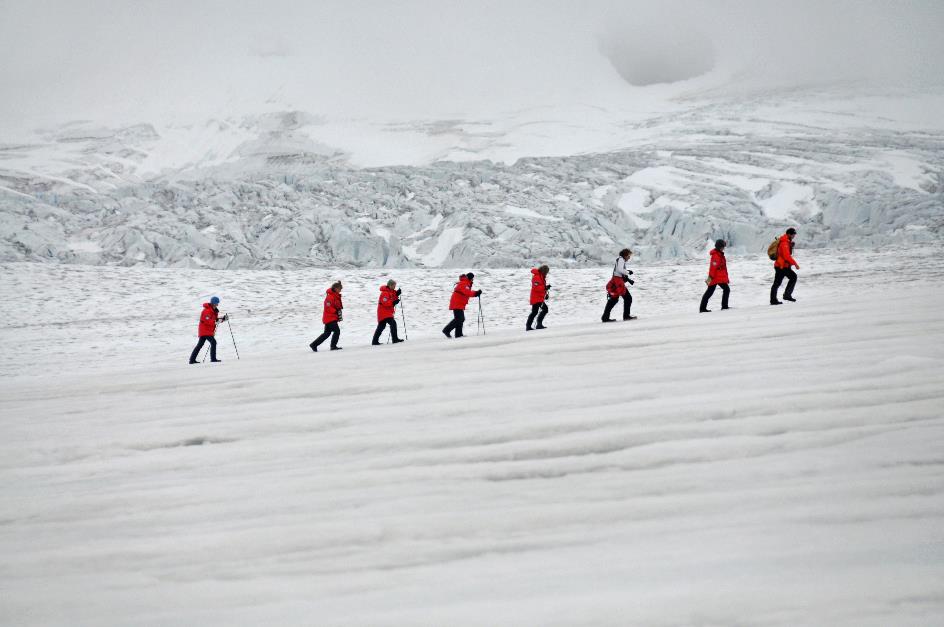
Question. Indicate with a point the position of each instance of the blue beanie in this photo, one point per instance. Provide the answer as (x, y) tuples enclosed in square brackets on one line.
[(215, 300)]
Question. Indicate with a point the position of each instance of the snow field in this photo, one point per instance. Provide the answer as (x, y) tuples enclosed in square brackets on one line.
[(759, 466)]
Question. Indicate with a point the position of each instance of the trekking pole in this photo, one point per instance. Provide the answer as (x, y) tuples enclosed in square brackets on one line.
[(205, 353), (406, 335), (481, 317), (232, 336)]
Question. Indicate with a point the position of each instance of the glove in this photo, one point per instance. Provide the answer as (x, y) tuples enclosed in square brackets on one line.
[(547, 287), (629, 272), (399, 291), (708, 281), (478, 293), (630, 281)]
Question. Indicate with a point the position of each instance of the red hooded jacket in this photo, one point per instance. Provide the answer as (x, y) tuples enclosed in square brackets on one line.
[(718, 268), (332, 307), (208, 319), (385, 305), (462, 293), (784, 253), (538, 287)]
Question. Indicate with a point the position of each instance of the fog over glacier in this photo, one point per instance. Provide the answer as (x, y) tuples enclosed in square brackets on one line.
[(133, 62), (422, 134)]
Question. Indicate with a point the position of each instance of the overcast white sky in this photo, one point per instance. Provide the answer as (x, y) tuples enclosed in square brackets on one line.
[(134, 61)]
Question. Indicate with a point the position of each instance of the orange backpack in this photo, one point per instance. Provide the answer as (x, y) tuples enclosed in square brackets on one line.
[(772, 249)]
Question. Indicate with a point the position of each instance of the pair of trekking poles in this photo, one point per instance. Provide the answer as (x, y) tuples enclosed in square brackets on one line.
[(230, 334)]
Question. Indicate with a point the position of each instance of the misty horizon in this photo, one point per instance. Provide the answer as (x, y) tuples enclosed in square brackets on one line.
[(124, 63)]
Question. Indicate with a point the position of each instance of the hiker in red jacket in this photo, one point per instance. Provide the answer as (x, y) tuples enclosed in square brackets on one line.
[(616, 288), (206, 330), (783, 268), (717, 277), (539, 289), (460, 298), (386, 309), (331, 316)]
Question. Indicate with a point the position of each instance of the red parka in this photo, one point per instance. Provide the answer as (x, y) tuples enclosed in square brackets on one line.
[(616, 287), (718, 268), (538, 287), (208, 319), (462, 293), (385, 305), (785, 253), (332, 307)]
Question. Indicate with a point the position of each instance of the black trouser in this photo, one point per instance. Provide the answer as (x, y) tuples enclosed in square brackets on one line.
[(725, 292), (611, 302), (334, 330), (383, 325), (203, 340), (458, 319), (779, 275), (539, 310)]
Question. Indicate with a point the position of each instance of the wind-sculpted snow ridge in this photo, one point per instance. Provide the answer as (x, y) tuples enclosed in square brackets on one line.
[(270, 193), (759, 466)]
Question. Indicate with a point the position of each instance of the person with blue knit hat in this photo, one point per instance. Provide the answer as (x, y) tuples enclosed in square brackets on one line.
[(207, 329)]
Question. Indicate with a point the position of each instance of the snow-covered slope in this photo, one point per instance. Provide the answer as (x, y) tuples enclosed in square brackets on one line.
[(763, 466), (849, 165)]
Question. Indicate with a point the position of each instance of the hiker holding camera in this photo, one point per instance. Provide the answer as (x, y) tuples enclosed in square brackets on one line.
[(616, 287)]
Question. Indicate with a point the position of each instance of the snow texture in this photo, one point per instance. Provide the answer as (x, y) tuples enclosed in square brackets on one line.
[(763, 465)]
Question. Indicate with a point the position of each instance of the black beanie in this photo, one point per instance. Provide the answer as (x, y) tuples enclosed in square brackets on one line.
[(470, 276)]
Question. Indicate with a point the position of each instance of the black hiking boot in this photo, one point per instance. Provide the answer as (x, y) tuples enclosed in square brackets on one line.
[(775, 302), (313, 347), (790, 298), (629, 318), (216, 361), (397, 341), (540, 326), (607, 319), (705, 310), (375, 343), (335, 348)]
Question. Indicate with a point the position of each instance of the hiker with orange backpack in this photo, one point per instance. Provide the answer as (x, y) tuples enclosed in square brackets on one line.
[(783, 262)]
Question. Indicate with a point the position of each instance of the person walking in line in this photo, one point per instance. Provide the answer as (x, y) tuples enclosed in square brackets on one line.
[(386, 309), (539, 290), (717, 277), (331, 316), (616, 288), (782, 268), (207, 329), (460, 298)]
